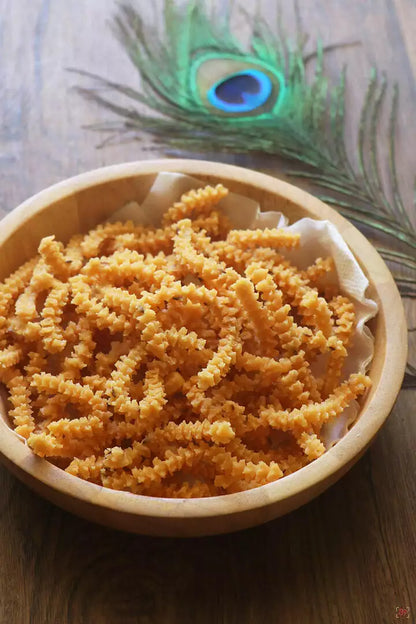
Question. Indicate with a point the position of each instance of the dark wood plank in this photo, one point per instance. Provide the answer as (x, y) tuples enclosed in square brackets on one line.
[(348, 556)]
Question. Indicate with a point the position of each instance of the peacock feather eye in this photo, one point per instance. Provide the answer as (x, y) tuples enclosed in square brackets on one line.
[(237, 86), (241, 92)]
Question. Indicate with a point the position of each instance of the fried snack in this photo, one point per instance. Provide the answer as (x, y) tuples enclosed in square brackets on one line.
[(19, 396), (178, 361), (199, 201), (82, 353), (51, 331), (273, 238), (54, 258)]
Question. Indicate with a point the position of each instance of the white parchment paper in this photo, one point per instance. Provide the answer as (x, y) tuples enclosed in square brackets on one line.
[(318, 239)]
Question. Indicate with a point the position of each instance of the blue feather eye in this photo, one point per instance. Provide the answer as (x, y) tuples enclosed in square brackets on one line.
[(241, 87), (241, 92)]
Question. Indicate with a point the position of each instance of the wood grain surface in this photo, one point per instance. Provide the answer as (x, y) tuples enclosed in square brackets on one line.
[(349, 556)]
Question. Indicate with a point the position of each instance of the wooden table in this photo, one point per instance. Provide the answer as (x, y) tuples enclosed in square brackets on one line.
[(349, 556)]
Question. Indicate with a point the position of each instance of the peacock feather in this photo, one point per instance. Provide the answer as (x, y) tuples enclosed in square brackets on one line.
[(204, 91)]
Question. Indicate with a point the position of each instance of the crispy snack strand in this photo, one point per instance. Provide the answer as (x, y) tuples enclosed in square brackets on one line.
[(199, 201), (176, 361)]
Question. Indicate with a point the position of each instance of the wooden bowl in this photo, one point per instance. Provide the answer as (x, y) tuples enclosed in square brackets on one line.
[(78, 204)]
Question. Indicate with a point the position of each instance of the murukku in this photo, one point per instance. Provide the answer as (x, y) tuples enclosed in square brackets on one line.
[(231, 470), (10, 356), (37, 362), (11, 288), (45, 444), (206, 268), (258, 315), (176, 361), (336, 358), (316, 414), (22, 413), (88, 468), (95, 382), (53, 255), (270, 367), (117, 457), (238, 258), (313, 308), (82, 353), (143, 317), (318, 269), (91, 245), (25, 306), (73, 254), (50, 408), (50, 329), (154, 396), (104, 362), (117, 384), (95, 310), (344, 314), (311, 444), (229, 345), (94, 402), (126, 266), (152, 242), (199, 200), (215, 225), (293, 462), (285, 328), (215, 407), (220, 363), (241, 451), (219, 432), (78, 428), (173, 462), (15, 284), (268, 237)]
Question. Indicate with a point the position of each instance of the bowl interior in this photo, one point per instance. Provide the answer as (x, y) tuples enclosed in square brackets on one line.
[(81, 203)]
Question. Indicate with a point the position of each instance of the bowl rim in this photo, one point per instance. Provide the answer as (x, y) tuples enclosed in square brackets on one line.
[(340, 456)]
